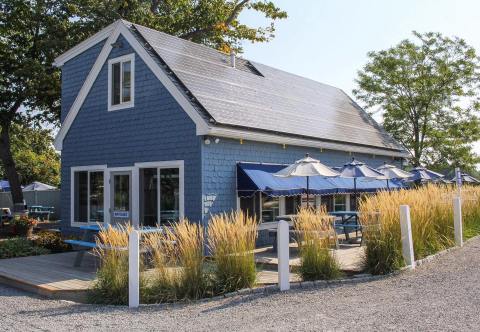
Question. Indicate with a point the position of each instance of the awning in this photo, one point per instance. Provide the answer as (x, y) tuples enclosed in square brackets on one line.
[(252, 177)]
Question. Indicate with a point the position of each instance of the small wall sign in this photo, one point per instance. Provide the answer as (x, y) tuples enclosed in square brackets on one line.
[(120, 214)]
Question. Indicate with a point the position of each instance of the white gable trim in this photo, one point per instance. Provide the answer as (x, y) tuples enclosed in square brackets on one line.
[(202, 127), (85, 45)]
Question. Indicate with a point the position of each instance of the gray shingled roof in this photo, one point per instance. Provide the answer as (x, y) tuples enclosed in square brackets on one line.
[(260, 97)]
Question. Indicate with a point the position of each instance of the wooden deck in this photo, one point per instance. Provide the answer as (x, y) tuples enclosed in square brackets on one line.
[(55, 276), (50, 275)]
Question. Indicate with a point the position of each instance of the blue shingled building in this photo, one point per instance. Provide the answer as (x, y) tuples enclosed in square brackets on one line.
[(155, 128)]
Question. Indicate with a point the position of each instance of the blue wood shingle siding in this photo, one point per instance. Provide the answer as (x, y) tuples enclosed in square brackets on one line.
[(156, 129), (219, 161), (74, 73)]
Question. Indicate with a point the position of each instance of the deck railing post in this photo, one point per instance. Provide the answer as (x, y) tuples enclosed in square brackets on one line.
[(283, 255), (406, 232), (457, 221), (134, 269)]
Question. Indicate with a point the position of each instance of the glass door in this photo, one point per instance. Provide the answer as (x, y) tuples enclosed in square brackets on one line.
[(120, 198)]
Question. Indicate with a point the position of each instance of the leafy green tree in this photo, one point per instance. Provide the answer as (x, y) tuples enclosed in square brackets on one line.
[(34, 32), (428, 90), (211, 22), (34, 155)]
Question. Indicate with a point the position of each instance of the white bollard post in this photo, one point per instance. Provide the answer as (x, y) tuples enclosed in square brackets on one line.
[(134, 269), (457, 221), (407, 241), (283, 251)]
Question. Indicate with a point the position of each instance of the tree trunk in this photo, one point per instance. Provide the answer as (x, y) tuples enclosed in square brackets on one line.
[(10, 168)]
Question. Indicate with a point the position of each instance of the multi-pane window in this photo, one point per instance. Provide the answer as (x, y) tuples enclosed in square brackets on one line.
[(160, 200), (88, 196), (270, 208), (121, 78)]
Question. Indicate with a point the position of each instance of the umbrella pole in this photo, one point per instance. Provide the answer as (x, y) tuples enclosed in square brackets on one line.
[(388, 186), (308, 198), (355, 193)]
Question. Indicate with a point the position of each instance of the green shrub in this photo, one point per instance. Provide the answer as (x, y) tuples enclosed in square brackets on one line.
[(23, 225), (51, 241), (19, 247), (315, 238), (231, 238)]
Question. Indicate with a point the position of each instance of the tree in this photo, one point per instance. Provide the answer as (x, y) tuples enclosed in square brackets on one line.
[(34, 32), (428, 90), (211, 22), (34, 155)]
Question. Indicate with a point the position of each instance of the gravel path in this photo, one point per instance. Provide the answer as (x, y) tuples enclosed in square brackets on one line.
[(440, 295)]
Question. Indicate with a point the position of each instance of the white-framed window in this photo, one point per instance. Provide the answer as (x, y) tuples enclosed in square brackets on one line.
[(161, 189), (121, 82), (87, 194)]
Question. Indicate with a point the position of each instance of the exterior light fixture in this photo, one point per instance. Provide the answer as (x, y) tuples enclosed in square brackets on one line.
[(217, 140), (241, 140), (284, 146), (207, 141)]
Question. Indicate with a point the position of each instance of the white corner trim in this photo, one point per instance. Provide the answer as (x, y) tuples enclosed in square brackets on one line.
[(85, 45), (278, 139), (202, 127), (129, 57)]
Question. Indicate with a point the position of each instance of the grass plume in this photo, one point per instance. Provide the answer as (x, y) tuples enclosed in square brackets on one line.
[(231, 239), (315, 238)]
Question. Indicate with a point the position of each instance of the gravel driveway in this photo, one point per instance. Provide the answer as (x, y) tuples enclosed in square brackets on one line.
[(441, 295)]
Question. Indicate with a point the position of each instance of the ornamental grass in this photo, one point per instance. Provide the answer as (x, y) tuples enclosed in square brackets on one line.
[(316, 237), (431, 213), (177, 259), (111, 285), (231, 239)]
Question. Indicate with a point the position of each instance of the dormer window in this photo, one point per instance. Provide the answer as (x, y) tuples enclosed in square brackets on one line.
[(121, 80)]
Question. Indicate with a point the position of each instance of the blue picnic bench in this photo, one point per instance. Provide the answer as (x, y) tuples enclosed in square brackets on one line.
[(348, 221), (89, 232)]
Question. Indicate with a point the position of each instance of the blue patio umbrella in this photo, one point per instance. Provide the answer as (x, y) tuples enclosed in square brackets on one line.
[(467, 178), (4, 185), (393, 172), (357, 169), (307, 167), (421, 174)]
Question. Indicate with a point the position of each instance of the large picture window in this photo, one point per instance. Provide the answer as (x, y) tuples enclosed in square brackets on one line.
[(159, 195), (121, 82), (88, 191)]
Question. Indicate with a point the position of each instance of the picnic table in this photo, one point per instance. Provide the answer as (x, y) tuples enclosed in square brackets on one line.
[(40, 212), (346, 221), (87, 240)]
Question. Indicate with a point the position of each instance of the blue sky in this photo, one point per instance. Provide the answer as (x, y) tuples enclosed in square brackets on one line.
[(328, 40)]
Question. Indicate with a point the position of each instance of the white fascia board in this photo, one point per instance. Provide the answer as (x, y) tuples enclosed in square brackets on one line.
[(277, 139), (85, 45), (202, 127)]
